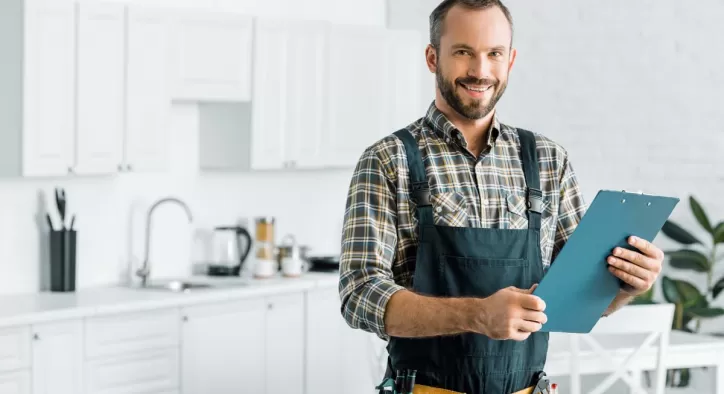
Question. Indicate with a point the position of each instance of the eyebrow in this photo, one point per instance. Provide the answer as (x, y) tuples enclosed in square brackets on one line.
[(500, 48)]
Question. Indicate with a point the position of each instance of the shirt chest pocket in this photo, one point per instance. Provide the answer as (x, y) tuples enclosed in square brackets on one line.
[(517, 211), (449, 209)]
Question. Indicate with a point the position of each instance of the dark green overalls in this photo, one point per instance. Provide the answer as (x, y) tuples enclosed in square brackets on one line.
[(473, 262)]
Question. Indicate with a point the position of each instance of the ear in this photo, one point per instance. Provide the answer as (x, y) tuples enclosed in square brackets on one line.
[(513, 55), (431, 58)]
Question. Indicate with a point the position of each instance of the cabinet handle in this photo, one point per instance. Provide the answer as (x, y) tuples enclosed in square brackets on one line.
[(129, 167), (36, 336), (270, 306), (70, 170), (120, 167), (185, 318)]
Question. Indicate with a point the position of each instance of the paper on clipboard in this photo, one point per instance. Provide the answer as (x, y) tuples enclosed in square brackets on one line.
[(578, 288)]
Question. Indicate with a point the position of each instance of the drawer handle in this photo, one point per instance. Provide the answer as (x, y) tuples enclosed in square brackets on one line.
[(36, 336)]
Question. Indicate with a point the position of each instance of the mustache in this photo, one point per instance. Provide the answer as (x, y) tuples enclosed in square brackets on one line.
[(476, 81)]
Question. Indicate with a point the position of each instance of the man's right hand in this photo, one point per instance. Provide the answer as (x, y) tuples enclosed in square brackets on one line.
[(510, 313)]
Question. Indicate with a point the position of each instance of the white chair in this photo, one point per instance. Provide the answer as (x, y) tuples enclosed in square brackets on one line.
[(629, 321)]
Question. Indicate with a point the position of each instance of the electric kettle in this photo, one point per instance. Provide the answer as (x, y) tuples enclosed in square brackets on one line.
[(229, 250)]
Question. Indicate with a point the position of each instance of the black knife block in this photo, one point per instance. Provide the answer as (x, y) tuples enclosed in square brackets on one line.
[(62, 260)]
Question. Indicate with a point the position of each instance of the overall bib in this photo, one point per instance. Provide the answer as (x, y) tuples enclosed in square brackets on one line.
[(473, 262)]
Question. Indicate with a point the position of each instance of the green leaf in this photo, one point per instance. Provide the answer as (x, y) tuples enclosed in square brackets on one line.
[(671, 294), (678, 234), (705, 313), (700, 214), (680, 292), (719, 233), (689, 259), (718, 287)]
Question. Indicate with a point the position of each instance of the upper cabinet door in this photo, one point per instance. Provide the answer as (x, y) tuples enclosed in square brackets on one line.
[(147, 97), (49, 93), (306, 98), (270, 123), (101, 80), (212, 57), (58, 358), (405, 102), (357, 88)]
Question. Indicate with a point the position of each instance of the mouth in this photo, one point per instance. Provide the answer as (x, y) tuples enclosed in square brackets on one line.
[(475, 90)]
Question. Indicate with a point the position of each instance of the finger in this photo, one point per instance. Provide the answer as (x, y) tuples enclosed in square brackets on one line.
[(532, 288), (647, 248), (630, 268), (528, 326), (532, 302), (537, 317), (633, 281), (520, 336), (636, 258)]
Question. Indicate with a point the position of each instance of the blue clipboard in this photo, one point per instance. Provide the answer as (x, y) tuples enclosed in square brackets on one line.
[(578, 288)]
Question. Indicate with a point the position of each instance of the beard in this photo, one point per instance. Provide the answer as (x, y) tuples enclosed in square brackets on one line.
[(475, 109)]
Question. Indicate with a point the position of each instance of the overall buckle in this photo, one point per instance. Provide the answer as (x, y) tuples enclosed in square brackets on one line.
[(535, 200)]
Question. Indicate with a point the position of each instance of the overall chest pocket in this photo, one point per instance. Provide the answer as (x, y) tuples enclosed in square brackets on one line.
[(449, 209)]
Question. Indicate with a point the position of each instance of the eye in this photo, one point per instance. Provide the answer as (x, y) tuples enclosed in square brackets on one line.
[(463, 52), (496, 54)]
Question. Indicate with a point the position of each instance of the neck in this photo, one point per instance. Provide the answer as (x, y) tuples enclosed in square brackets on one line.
[(475, 131)]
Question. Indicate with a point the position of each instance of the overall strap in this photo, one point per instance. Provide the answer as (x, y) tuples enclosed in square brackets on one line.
[(529, 157), (420, 190)]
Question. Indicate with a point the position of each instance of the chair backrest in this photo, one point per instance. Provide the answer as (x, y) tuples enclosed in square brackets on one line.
[(653, 321)]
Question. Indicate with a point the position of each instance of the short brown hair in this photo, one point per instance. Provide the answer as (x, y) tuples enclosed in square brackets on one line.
[(437, 17)]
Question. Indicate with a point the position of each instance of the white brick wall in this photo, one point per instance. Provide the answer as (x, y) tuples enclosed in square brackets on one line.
[(632, 88)]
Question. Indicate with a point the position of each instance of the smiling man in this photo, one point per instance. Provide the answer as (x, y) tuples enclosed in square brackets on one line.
[(451, 222)]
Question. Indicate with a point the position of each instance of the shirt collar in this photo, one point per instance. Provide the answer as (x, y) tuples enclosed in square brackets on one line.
[(447, 130)]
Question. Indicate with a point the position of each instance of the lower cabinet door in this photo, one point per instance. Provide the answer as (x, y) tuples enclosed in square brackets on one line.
[(152, 372), (15, 382), (58, 357)]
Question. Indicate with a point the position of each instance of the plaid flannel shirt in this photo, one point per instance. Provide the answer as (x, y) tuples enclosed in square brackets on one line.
[(379, 240)]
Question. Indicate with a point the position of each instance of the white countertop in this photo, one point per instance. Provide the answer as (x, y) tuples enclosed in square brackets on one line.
[(48, 306)]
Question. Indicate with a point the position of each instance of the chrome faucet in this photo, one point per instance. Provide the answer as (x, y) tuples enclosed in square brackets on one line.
[(145, 271)]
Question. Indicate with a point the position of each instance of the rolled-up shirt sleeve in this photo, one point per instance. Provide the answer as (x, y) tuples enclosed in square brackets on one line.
[(369, 241)]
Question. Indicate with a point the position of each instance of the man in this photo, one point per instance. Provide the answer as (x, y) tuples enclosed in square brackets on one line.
[(451, 222)]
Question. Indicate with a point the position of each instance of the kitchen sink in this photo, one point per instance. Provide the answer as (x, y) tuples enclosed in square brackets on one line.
[(190, 285)]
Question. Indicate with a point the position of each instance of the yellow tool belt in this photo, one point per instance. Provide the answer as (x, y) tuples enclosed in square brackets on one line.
[(422, 389)]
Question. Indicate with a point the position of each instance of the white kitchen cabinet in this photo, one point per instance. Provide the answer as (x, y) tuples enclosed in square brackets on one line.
[(17, 382), (147, 99), (336, 355), (211, 56), (223, 349), (405, 102), (357, 86), (100, 88), (284, 339), (288, 96), (37, 87), (58, 357), (152, 371)]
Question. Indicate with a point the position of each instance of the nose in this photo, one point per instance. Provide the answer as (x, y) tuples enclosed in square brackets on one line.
[(479, 67)]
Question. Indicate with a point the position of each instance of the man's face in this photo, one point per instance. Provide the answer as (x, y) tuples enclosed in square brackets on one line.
[(474, 60)]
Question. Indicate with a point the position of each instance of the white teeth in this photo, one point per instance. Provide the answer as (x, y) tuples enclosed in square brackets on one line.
[(477, 89)]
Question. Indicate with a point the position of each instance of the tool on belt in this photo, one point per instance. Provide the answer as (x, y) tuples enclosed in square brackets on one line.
[(404, 383)]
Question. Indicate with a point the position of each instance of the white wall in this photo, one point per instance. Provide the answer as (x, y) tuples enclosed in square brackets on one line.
[(631, 88), (111, 210)]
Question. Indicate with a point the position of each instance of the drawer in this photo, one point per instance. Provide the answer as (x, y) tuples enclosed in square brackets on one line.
[(131, 332), (14, 348), (155, 371), (17, 382)]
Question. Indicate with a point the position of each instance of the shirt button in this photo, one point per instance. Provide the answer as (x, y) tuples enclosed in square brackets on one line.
[(486, 201), (438, 209)]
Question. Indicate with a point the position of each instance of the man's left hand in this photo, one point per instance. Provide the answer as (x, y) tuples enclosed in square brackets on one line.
[(638, 269)]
